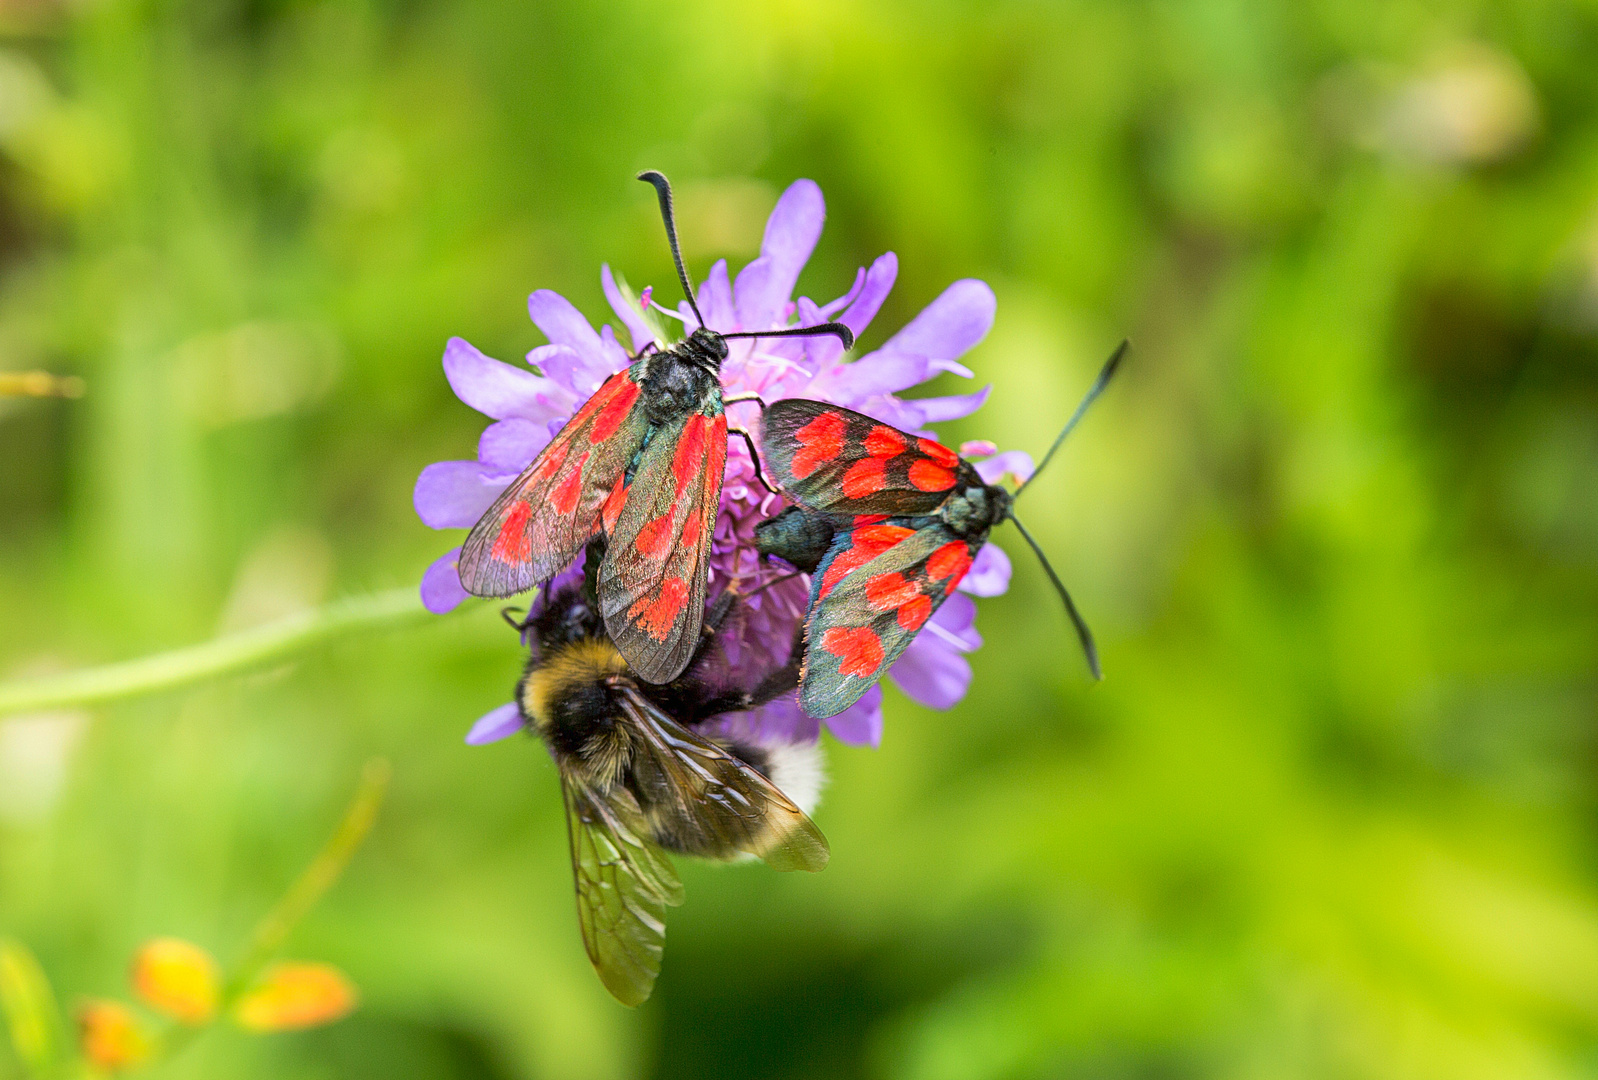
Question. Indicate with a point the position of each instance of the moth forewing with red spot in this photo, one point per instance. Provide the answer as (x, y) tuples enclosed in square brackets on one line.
[(652, 582), (908, 516), (871, 595), (830, 458), (642, 460), (543, 519)]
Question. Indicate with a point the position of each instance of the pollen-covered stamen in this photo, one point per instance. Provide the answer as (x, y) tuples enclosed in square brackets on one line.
[(643, 297)]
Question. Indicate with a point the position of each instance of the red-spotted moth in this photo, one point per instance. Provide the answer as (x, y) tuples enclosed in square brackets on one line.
[(887, 524), (642, 460)]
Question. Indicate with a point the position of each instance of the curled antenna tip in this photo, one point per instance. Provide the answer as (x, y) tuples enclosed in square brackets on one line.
[(837, 329)]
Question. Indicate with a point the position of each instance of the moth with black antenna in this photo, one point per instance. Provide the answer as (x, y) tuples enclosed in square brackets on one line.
[(641, 460), (887, 524)]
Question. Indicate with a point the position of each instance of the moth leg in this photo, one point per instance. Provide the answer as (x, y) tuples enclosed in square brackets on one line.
[(783, 680), (738, 398), (754, 456)]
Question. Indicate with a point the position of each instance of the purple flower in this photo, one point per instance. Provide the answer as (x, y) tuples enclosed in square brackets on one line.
[(529, 404)]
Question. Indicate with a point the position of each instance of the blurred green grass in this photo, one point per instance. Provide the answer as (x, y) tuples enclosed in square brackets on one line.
[(1330, 814)]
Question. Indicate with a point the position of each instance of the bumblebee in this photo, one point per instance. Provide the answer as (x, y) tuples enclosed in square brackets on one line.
[(639, 781)]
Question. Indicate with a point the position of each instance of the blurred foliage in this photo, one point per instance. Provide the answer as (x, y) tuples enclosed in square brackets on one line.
[(1332, 812)]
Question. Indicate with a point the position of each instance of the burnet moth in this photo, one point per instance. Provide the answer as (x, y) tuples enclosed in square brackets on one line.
[(887, 524), (641, 460)]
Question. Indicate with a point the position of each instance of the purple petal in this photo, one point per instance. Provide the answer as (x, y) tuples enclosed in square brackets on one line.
[(441, 584), (563, 324), (879, 282), (989, 574), (950, 325), (562, 364), (454, 494), (1018, 462), (934, 410), (499, 390), (510, 445), (637, 329), (861, 723), (829, 310), (978, 448), (955, 623), (877, 373), (715, 299), (616, 357), (931, 673), (502, 723), (779, 721), (764, 286)]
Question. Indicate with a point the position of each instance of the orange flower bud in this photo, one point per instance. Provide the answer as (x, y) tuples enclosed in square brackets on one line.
[(110, 1036), (295, 996), (178, 979)]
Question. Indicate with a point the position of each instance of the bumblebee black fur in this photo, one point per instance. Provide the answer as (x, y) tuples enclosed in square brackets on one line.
[(639, 780)]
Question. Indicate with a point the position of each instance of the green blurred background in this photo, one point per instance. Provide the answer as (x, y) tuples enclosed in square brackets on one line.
[(1333, 811)]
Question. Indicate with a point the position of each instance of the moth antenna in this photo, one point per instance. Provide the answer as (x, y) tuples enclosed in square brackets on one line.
[(840, 331), (1084, 635), (1094, 391), (663, 189)]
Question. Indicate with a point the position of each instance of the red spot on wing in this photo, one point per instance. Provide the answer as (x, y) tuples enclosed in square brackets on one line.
[(857, 649), (950, 561), (938, 452), (916, 612), (882, 537), (564, 497), (654, 539), (618, 404), (690, 455), (884, 442), (930, 477), (613, 504), (820, 441), (865, 477), (553, 457), (868, 519), (887, 591), (514, 544), (598, 398), (692, 527), (865, 544), (655, 617)]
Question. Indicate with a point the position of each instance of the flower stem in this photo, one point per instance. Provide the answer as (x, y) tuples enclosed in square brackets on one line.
[(324, 870), (224, 655)]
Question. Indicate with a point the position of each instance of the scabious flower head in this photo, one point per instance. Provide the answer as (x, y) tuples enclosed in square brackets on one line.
[(529, 405)]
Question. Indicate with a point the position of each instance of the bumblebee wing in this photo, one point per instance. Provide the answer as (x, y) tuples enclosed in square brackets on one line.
[(543, 519), (624, 885), (705, 801)]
